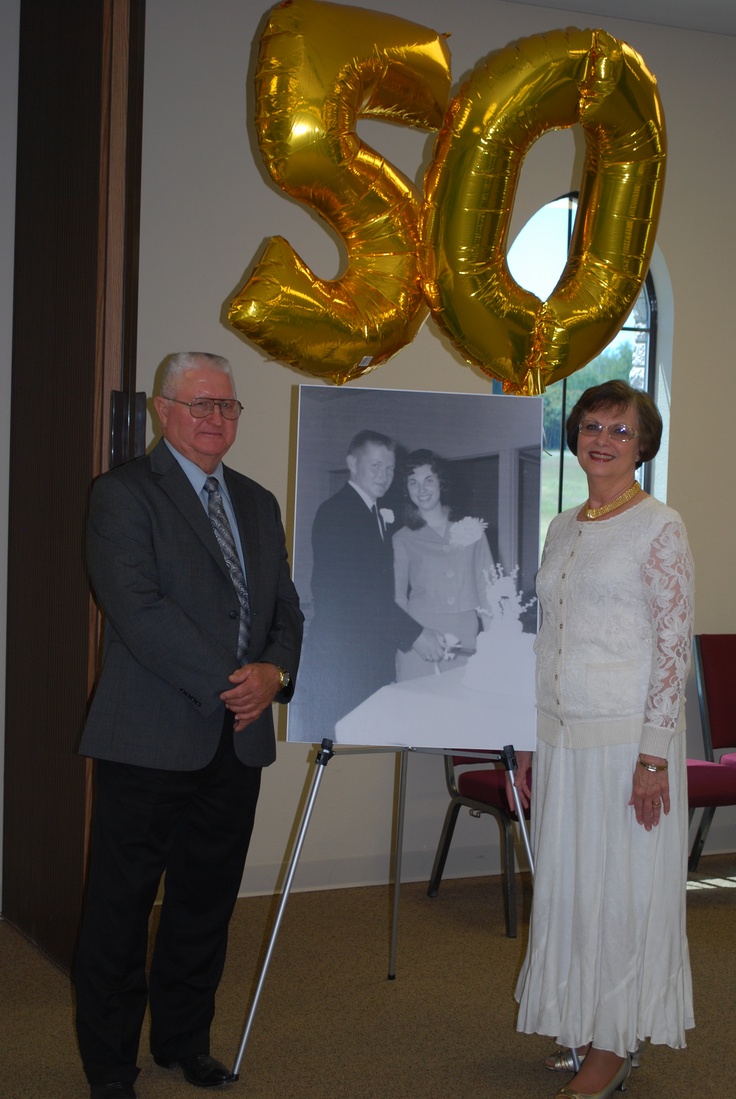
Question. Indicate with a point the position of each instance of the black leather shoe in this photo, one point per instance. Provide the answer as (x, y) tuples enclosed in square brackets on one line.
[(201, 1070), (115, 1090)]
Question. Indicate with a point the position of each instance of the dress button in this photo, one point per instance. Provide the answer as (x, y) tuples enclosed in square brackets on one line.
[(234, 614)]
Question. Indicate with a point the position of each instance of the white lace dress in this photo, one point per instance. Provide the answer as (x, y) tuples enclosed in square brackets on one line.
[(607, 959)]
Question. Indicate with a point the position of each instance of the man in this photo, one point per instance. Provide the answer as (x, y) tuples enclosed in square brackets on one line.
[(203, 632), (357, 626)]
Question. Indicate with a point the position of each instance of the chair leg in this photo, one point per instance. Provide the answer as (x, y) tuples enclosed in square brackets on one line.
[(701, 836), (444, 846), (508, 860), (508, 871)]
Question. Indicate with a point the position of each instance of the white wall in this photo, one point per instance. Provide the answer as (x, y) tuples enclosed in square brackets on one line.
[(207, 208), (10, 23)]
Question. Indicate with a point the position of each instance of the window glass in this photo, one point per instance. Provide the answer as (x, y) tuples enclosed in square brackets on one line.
[(536, 260)]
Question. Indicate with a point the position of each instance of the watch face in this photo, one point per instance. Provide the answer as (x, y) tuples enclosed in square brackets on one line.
[(284, 678)]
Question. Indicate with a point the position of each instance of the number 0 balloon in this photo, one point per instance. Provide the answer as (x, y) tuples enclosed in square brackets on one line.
[(534, 85)]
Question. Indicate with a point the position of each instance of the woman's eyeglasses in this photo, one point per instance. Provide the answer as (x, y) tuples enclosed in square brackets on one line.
[(620, 433)]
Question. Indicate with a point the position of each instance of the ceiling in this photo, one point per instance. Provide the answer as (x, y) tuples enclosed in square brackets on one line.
[(715, 16)]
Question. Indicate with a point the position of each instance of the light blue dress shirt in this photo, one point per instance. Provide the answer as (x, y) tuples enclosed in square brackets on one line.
[(197, 478)]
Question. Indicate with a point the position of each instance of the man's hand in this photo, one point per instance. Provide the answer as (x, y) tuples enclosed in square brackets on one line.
[(430, 645), (256, 686)]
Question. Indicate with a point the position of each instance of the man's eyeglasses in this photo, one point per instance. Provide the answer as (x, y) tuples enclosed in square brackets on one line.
[(202, 407), (621, 433)]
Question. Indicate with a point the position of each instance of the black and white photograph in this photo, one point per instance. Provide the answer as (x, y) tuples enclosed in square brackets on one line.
[(415, 550)]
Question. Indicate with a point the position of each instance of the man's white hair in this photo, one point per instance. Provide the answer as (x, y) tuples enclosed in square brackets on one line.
[(178, 364)]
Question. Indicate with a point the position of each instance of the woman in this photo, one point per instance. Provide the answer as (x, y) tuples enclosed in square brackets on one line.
[(438, 564), (607, 963)]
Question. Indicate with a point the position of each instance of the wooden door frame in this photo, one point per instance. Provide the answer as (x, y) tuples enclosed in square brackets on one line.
[(74, 343)]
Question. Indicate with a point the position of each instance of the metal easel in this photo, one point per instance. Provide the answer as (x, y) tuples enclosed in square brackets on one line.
[(324, 755)]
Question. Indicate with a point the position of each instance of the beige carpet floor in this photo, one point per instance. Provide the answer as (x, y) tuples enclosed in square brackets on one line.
[(331, 1026)]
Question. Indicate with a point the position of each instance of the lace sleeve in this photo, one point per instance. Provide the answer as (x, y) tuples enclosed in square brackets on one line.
[(669, 583)]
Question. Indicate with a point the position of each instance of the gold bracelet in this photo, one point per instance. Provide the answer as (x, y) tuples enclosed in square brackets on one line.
[(653, 767)]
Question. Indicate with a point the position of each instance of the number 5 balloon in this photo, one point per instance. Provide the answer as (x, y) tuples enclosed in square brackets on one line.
[(320, 68)]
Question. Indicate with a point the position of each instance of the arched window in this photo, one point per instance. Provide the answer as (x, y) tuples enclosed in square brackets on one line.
[(536, 260)]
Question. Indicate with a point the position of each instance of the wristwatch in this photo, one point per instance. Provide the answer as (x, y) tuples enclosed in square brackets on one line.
[(284, 678)]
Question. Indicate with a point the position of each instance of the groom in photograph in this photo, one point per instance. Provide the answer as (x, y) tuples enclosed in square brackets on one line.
[(357, 626)]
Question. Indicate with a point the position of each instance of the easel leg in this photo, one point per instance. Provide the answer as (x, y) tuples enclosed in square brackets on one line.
[(509, 762), (323, 758)]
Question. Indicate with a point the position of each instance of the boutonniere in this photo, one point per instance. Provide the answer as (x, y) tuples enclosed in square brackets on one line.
[(466, 531), (387, 515)]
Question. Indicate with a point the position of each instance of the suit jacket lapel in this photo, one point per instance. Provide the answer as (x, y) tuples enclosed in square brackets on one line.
[(174, 482)]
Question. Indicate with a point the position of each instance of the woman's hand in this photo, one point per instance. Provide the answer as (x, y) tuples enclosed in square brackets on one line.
[(430, 645), (519, 779), (650, 792)]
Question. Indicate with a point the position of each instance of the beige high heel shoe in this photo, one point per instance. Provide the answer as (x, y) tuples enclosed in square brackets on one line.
[(617, 1084)]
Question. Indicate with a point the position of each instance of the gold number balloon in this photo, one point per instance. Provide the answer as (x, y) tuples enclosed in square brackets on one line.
[(320, 68), (534, 85)]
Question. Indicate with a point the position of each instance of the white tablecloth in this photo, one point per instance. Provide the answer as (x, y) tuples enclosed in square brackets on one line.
[(438, 711)]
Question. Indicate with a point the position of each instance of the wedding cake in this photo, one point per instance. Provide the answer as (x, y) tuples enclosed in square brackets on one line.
[(489, 700), (503, 662)]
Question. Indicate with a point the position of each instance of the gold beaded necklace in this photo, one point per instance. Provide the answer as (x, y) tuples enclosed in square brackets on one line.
[(595, 513)]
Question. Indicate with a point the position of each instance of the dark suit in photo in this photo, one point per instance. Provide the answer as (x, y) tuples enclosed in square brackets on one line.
[(350, 649)]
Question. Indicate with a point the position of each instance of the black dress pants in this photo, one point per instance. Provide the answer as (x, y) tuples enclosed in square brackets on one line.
[(195, 826)]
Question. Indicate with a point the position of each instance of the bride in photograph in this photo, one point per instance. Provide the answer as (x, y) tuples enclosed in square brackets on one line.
[(441, 564)]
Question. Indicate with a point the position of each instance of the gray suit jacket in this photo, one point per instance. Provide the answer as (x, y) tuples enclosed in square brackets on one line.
[(172, 615)]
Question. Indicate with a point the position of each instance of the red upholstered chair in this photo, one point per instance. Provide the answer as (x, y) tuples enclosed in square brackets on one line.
[(712, 781), (481, 788)]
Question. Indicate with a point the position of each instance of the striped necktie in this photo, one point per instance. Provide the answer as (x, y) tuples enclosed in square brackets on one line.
[(224, 535)]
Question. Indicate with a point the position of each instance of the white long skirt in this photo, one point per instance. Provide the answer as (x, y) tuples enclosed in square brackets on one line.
[(607, 960)]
